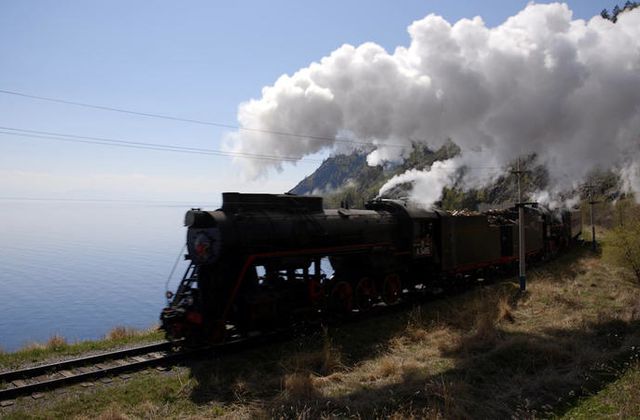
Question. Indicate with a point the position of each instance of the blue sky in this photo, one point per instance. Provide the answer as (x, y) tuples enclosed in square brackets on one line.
[(194, 59)]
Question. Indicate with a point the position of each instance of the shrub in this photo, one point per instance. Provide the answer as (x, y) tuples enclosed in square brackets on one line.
[(121, 333), (299, 385), (57, 342), (622, 244)]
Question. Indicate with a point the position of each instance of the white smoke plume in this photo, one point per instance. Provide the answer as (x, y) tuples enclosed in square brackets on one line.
[(427, 185), (553, 201), (541, 82)]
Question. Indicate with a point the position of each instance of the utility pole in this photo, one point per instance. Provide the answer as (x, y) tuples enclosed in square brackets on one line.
[(522, 252), (593, 226), (521, 245)]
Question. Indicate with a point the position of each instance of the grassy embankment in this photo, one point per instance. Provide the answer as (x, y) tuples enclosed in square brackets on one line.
[(617, 400), (489, 352), (58, 347)]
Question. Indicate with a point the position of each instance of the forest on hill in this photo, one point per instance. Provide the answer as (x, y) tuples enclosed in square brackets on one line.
[(347, 179)]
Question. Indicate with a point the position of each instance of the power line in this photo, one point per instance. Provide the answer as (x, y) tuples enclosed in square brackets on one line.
[(218, 124), (48, 135), (165, 203), (195, 121), (74, 138)]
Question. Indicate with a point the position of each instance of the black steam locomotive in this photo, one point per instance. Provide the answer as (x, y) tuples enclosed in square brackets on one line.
[(264, 261)]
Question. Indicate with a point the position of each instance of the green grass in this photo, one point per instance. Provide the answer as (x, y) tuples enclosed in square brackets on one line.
[(620, 399), (153, 396), (57, 346)]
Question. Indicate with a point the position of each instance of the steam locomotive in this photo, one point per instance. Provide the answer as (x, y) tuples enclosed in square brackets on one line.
[(266, 261)]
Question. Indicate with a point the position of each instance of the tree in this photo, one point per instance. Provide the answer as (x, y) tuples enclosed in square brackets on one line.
[(614, 13), (622, 243), (613, 16)]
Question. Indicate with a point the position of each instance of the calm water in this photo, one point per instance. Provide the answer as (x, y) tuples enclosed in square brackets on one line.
[(80, 268)]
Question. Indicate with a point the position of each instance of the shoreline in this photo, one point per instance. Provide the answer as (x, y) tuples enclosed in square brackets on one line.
[(57, 348)]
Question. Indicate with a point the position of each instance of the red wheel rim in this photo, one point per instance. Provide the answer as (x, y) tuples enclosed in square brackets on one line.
[(364, 294), (316, 291), (391, 289), (342, 297)]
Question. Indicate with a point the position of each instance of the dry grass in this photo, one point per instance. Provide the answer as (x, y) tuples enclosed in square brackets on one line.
[(144, 410), (299, 385), (324, 361), (491, 352), (121, 333), (505, 311), (59, 343), (57, 347), (54, 343), (112, 413)]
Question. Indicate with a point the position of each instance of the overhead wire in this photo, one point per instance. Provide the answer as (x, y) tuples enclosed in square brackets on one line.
[(197, 121), (157, 203), (155, 146), (74, 138), (48, 135)]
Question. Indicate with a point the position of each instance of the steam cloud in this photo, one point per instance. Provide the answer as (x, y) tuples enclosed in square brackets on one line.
[(541, 82)]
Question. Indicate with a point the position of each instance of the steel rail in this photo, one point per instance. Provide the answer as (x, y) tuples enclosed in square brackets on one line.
[(158, 354), (8, 393), (32, 371)]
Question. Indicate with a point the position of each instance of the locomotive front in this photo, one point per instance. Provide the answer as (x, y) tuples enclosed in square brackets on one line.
[(261, 261)]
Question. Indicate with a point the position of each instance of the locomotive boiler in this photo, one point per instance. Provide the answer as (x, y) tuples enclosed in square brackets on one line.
[(265, 261)]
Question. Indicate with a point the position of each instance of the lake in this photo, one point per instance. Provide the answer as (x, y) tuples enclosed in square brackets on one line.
[(78, 269)]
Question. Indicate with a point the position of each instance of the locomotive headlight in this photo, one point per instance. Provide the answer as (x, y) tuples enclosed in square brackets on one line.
[(203, 245)]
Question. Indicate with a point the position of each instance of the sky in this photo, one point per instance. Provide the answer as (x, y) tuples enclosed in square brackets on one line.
[(195, 60)]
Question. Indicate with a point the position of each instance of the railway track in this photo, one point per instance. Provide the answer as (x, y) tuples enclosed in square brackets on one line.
[(31, 380), (54, 375), (44, 377)]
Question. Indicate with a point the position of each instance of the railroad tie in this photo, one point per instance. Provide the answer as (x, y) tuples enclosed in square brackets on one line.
[(30, 379)]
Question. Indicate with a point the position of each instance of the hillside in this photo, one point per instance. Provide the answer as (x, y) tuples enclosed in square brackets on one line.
[(338, 172), (348, 179)]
